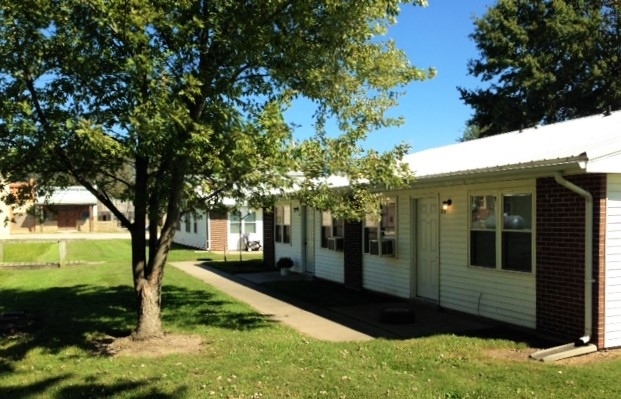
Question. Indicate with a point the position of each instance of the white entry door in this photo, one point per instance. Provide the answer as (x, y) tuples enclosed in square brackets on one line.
[(427, 252)]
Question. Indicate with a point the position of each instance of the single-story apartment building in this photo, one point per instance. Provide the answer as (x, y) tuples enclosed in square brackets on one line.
[(221, 230), (522, 227)]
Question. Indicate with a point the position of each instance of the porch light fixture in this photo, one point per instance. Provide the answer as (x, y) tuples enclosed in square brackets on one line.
[(446, 204)]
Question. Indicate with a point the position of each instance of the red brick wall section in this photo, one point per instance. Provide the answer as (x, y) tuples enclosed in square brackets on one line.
[(269, 250), (218, 229), (560, 257), (352, 252)]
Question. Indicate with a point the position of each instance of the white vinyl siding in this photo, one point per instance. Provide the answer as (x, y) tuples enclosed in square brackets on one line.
[(497, 294), (329, 264), (391, 275), (198, 239), (612, 324)]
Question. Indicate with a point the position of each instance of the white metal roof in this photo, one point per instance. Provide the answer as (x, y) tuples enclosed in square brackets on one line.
[(592, 143), (73, 195)]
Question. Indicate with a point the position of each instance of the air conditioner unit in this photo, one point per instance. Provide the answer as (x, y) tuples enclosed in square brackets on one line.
[(387, 247), (335, 243)]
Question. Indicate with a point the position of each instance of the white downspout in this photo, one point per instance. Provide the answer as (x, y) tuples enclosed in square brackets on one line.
[(588, 254)]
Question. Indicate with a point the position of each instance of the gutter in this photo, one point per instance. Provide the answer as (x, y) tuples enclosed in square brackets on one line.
[(578, 162), (581, 346)]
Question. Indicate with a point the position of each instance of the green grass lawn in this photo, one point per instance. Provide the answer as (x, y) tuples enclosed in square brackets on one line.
[(244, 355), (115, 251)]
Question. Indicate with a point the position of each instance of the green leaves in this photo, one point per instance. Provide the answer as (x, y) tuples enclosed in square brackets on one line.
[(153, 99), (545, 61)]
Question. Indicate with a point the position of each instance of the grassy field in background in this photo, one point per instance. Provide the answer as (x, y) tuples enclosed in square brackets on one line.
[(111, 251), (46, 251), (244, 355)]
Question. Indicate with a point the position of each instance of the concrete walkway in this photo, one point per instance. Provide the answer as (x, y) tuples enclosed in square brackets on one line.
[(306, 322)]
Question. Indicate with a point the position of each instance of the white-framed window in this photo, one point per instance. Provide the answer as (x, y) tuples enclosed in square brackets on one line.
[(195, 225), (332, 232), (501, 231), (235, 223), (187, 223), (380, 236), (243, 222), (282, 222), (250, 222)]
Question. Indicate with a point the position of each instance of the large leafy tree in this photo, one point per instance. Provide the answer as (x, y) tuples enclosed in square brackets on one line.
[(173, 104), (545, 61)]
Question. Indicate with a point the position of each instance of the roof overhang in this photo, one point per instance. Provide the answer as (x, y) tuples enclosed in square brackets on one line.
[(575, 164), (74, 195), (609, 163)]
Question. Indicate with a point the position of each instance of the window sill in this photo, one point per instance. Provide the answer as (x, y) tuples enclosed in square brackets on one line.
[(498, 270)]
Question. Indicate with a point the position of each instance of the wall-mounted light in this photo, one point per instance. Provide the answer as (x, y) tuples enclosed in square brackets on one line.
[(296, 209), (446, 204)]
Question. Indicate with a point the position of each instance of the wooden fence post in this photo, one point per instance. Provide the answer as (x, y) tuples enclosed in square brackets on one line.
[(62, 252)]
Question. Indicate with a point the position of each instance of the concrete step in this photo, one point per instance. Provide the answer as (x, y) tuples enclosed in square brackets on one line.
[(563, 352)]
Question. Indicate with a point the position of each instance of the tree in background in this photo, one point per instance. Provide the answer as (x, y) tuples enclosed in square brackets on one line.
[(174, 104), (471, 132), (545, 61)]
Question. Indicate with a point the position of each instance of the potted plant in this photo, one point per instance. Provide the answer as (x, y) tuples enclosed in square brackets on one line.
[(284, 264)]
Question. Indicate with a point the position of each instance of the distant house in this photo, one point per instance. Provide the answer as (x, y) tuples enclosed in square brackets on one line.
[(70, 209), (67, 209), (523, 228), (106, 221), (220, 231)]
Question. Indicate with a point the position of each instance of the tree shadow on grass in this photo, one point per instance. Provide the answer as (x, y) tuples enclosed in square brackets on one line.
[(201, 308), (27, 390), (112, 391), (90, 390), (71, 316)]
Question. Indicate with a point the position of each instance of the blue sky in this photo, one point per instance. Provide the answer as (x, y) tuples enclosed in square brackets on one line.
[(434, 36)]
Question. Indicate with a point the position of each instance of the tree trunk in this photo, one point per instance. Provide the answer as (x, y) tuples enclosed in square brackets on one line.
[(147, 288), (148, 271), (149, 310), (148, 276)]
